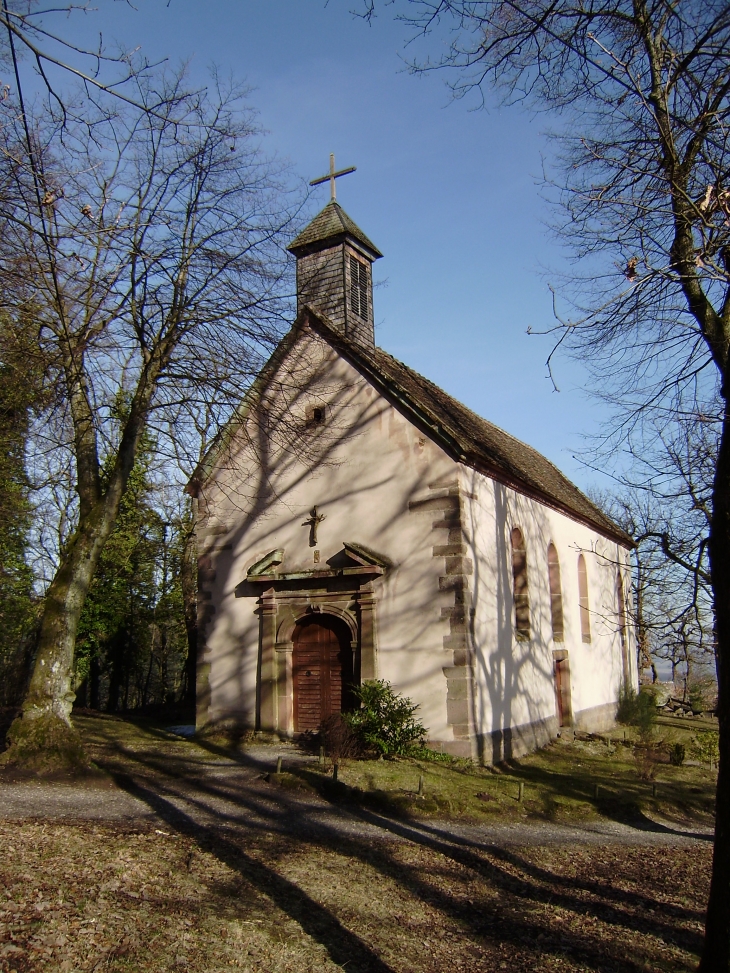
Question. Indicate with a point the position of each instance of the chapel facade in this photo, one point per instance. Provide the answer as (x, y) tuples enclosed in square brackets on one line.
[(356, 522)]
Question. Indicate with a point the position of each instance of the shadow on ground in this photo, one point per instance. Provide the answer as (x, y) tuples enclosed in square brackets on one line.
[(605, 908)]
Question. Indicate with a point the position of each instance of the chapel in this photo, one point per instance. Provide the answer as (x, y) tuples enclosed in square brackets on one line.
[(356, 522)]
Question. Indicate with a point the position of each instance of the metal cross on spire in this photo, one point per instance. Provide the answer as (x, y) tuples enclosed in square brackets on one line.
[(332, 175)]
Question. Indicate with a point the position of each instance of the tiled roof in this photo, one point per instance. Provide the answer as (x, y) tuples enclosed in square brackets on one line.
[(465, 435), (332, 222)]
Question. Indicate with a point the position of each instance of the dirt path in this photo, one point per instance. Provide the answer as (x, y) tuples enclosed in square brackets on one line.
[(157, 777)]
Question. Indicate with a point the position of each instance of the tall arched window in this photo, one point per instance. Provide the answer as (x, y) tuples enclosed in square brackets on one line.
[(621, 609), (519, 578), (556, 593), (585, 611)]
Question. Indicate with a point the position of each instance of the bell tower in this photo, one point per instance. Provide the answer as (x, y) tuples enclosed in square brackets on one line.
[(334, 269)]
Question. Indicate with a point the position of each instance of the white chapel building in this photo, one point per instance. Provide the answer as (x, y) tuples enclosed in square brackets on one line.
[(356, 522)]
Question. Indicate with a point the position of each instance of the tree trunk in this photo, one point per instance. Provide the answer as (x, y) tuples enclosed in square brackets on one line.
[(116, 672), (82, 693), (50, 686), (145, 691), (189, 585), (716, 949), (164, 689), (43, 739)]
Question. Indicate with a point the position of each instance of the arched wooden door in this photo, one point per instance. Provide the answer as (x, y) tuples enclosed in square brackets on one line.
[(322, 670)]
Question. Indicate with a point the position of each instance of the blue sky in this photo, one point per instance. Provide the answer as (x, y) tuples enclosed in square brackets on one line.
[(450, 195)]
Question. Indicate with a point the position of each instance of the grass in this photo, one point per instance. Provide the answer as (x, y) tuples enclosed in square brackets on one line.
[(558, 783)]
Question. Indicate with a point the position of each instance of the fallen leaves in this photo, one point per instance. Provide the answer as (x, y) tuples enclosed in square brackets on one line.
[(84, 897)]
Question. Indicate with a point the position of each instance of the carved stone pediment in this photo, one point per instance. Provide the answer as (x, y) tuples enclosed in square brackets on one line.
[(360, 554), (266, 564), (353, 559)]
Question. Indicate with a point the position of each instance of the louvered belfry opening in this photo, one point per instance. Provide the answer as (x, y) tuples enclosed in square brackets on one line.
[(359, 288)]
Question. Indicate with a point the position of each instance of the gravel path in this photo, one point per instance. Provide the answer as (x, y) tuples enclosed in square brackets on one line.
[(161, 780)]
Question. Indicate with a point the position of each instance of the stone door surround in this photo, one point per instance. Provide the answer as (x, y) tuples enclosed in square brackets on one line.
[(283, 599)]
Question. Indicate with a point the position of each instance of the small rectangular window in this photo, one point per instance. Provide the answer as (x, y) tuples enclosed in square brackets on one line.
[(316, 415), (358, 288)]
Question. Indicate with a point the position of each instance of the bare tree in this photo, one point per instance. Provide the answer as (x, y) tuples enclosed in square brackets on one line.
[(664, 503), (44, 35), (642, 89), (147, 249)]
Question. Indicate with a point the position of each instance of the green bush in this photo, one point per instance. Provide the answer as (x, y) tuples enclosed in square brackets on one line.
[(636, 709), (338, 739), (706, 746), (626, 708), (702, 693), (385, 721), (677, 753)]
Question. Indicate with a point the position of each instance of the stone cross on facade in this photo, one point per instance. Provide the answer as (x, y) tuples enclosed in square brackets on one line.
[(313, 523), (332, 175)]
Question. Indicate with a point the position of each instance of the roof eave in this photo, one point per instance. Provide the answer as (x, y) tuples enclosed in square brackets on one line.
[(329, 224), (325, 243), (446, 438)]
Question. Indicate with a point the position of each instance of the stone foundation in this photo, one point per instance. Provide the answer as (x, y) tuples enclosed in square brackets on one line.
[(597, 719), (516, 741)]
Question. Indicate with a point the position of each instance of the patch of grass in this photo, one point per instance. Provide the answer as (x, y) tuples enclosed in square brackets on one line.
[(565, 781), (77, 897), (559, 781)]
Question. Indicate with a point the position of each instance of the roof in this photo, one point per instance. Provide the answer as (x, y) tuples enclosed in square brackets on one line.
[(332, 223), (463, 434)]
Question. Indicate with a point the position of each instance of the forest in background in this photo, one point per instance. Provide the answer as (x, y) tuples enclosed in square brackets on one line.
[(136, 642)]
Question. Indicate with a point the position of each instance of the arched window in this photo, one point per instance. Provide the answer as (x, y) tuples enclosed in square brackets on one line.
[(585, 611), (556, 593), (621, 609), (519, 578)]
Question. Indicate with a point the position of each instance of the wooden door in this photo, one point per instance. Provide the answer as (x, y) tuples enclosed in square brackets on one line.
[(322, 670), (559, 677), (562, 691)]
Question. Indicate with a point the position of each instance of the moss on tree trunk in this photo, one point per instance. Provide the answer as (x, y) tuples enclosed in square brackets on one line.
[(45, 744)]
